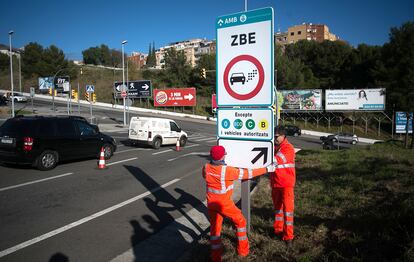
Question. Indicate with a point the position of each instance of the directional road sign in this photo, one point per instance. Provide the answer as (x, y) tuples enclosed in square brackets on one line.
[(90, 89), (135, 89), (245, 124), (175, 97), (32, 92), (245, 58), (62, 83), (247, 154)]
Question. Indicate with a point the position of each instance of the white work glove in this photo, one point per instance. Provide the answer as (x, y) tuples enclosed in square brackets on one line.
[(271, 168)]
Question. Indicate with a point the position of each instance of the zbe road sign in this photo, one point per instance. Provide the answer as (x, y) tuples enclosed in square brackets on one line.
[(245, 58)]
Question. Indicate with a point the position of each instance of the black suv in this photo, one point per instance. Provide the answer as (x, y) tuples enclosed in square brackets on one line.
[(43, 141), (293, 130)]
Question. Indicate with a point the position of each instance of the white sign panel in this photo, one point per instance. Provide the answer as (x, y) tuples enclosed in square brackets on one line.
[(247, 154), (245, 124), (355, 99), (245, 58)]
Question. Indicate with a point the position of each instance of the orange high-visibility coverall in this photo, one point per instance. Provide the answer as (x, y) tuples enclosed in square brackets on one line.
[(219, 181), (282, 183)]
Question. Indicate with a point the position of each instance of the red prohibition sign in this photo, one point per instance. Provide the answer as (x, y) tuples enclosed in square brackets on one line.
[(259, 85)]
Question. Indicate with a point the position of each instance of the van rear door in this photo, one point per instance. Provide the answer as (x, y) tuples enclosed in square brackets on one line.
[(138, 129)]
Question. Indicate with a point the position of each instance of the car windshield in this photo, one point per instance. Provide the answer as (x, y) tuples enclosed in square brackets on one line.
[(237, 74)]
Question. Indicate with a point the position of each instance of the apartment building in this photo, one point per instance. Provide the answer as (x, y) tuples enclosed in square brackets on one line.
[(137, 59), (192, 49), (315, 32)]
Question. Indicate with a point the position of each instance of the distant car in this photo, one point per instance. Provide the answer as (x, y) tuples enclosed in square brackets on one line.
[(17, 97), (237, 77), (293, 130), (342, 138), (3, 101), (44, 141)]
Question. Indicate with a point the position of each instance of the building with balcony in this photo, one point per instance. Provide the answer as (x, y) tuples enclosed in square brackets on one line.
[(310, 32), (137, 59)]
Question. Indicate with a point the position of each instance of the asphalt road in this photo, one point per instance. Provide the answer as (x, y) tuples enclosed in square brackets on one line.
[(86, 214)]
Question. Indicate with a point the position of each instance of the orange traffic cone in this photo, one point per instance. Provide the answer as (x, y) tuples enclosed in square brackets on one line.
[(101, 163), (177, 145)]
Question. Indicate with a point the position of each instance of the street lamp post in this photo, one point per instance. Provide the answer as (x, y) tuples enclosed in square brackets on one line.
[(11, 72), (20, 72), (123, 77)]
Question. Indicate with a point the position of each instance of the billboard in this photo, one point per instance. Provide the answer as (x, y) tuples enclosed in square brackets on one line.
[(136, 89), (175, 97), (301, 100), (62, 83), (45, 83), (355, 99), (401, 123)]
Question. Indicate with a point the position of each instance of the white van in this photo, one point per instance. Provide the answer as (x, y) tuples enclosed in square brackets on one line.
[(155, 132)]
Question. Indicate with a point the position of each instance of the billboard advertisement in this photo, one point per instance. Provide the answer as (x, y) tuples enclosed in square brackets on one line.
[(62, 83), (175, 97), (355, 99), (301, 100), (135, 89), (401, 123), (45, 83)]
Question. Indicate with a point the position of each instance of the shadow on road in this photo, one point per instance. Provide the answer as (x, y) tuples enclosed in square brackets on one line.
[(59, 257), (164, 207)]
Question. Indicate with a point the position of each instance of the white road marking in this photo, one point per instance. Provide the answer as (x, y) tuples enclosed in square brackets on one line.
[(189, 154), (83, 220), (193, 145), (297, 150), (120, 145), (133, 149), (34, 182), (161, 152), (129, 159), (203, 139), (119, 137)]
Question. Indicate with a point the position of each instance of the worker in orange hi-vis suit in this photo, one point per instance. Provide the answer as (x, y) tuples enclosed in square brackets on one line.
[(282, 182), (219, 181)]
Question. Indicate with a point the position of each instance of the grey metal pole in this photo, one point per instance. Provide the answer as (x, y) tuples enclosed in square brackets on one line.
[(11, 73), (245, 202), (127, 81), (79, 93), (245, 5), (20, 73), (123, 77), (90, 103)]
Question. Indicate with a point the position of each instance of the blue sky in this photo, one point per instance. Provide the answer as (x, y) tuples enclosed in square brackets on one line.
[(75, 25)]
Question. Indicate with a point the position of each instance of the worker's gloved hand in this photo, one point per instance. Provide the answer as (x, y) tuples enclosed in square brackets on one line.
[(271, 168)]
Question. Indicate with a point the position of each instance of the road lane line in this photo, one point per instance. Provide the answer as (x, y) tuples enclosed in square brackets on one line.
[(83, 220), (191, 146), (133, 149), (190, 154), (34, 182), (203, 139), (117, 162), (161, 152)]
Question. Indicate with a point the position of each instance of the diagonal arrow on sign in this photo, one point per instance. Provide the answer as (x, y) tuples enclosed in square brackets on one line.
[(263, 152), (189, 97)]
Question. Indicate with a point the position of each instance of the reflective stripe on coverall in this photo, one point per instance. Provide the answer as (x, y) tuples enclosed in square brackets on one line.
[(282, 183), (219, 181)]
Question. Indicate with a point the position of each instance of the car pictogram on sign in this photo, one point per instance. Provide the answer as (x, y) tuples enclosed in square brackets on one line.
[(237, 77)]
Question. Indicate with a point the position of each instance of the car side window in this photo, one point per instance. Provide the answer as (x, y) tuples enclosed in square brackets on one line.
[(46, 128), (66, 128), (85, 129), (174, 127)]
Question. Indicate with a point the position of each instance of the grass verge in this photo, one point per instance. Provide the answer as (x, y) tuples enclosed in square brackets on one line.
[(351, 205)]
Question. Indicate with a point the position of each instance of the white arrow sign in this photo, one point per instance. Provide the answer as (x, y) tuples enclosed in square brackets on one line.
[(145, 87), (189, 97)]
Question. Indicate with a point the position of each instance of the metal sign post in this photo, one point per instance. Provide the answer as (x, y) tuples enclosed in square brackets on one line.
[(32, 94), (90, 89), (245, 79)]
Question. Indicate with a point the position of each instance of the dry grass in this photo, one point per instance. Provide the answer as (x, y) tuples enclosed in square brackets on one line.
[(353, 205)]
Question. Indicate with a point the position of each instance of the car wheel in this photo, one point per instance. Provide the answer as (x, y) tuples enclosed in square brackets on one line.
[(296, 134), (47, 160), (334, 140), (156, 143), (354, 142), (15, 100), (108, 151), (183, 141)]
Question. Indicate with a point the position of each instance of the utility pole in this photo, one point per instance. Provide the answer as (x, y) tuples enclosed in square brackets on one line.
[(11, 72)]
